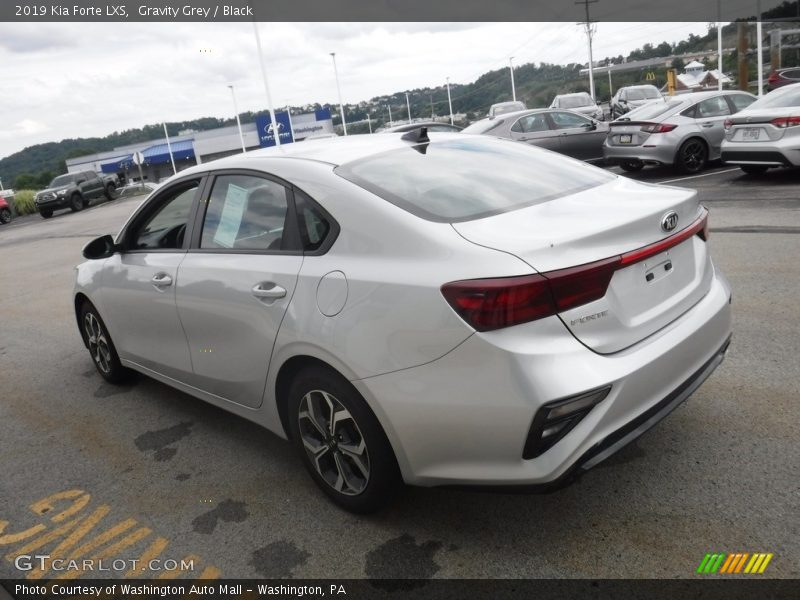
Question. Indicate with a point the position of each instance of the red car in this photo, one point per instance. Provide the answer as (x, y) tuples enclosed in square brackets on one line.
[(5, 211), (783, 77)]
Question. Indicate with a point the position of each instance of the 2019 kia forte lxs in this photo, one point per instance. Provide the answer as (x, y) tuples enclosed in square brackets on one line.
[(452, 310)]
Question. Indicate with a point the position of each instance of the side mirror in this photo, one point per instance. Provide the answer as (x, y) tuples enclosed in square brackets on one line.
[(101, 247), (590, 126)]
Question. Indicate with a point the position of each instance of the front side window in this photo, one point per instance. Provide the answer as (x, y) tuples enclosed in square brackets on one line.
[(741, 101), (246, 213), (166, 227), (564, 120)]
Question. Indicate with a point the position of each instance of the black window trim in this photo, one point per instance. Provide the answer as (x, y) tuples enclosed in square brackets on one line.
[(153, 204)]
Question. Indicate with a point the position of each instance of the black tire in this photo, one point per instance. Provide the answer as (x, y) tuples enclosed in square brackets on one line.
[(321, 389), (632, 165), (5, 216), (692, 156), (101, 348), (76, 203), (754, 169), (110, 189), (46, 213)]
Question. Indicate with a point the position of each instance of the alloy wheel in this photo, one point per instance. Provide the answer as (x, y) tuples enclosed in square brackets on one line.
[(334, 443), (98, 344), (693, 155)]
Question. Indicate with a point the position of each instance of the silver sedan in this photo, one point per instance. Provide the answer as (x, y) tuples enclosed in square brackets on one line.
[(686, 131), (440, 310), (766, 134), (562, 131)]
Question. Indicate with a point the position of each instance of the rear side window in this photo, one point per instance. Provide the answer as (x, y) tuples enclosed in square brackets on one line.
[(461, 180), (484, 126), (315, 226)]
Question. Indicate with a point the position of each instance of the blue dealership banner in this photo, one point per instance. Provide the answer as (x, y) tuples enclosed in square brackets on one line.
[(266, 136)]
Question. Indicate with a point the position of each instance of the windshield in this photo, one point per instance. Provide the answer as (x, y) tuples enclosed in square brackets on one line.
[(780, 98), (643, 94), (62, 180), (461, 180), (575, 101)]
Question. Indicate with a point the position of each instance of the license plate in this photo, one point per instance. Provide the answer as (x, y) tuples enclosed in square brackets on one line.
[(625, 138), (751, 133)]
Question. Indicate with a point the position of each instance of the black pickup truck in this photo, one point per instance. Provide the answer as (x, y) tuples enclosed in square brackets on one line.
[(73, 191)]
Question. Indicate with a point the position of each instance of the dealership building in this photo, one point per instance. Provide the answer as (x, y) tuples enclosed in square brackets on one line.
[(196, 147)]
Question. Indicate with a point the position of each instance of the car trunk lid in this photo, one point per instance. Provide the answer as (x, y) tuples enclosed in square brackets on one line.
[(654, 280)]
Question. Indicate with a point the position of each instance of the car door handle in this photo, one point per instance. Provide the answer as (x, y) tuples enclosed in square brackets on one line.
[(268, 290), (707, 124), (161, 280)]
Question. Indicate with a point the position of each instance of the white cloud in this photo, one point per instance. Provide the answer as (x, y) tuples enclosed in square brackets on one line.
[(112, 77)]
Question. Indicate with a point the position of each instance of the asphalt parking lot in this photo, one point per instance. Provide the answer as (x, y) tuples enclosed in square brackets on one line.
[(157, 473)]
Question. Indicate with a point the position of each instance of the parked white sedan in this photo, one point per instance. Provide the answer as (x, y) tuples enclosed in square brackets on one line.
[(459, 310)]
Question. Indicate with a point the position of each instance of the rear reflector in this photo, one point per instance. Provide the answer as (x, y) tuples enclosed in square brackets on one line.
[(488, 304)]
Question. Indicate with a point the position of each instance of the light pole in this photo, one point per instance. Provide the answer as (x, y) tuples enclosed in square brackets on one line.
[(275, 129), (339, 90), (389, 106), (450, 102), (759, 52), (369, 122), (511, 68), (408, 106), (590, 29), (238, 122), (169, 148)]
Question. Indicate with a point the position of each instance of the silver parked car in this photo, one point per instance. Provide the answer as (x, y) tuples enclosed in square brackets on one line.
[(631, 97), (579, 102), (765, 134), (686, 131), (437, 310), (561, 131)]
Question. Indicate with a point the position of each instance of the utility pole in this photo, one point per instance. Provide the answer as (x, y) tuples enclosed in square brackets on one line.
[(408, 106), (590, 29), (389, 106), (741, 55), (760, 52)]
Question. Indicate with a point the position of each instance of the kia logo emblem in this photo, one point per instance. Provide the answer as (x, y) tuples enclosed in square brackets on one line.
[(669, 221)]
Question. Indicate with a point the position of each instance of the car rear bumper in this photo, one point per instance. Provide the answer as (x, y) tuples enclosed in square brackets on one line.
[(649, 154), (766, 154), (463, 420)]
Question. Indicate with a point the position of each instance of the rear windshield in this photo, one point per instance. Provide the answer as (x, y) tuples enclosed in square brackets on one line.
[(780, 98), (642, 93), (651, 111), (575, 101), (461, 180)]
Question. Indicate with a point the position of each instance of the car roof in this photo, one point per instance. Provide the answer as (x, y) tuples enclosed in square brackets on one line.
[(411, 126), (334, 151)]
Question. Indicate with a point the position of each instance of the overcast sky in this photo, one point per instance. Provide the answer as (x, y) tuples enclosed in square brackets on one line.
[(81, 80)]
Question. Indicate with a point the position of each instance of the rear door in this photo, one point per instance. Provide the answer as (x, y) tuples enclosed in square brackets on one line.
[(710, 115), (236, 282), (537, 130)]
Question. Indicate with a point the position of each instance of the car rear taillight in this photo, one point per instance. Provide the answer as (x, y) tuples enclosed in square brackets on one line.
[(773, 77), (488, 304), (657, 127), (784, 122), (727, 124)]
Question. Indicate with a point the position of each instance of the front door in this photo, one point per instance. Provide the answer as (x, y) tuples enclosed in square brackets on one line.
[(139, 285)]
